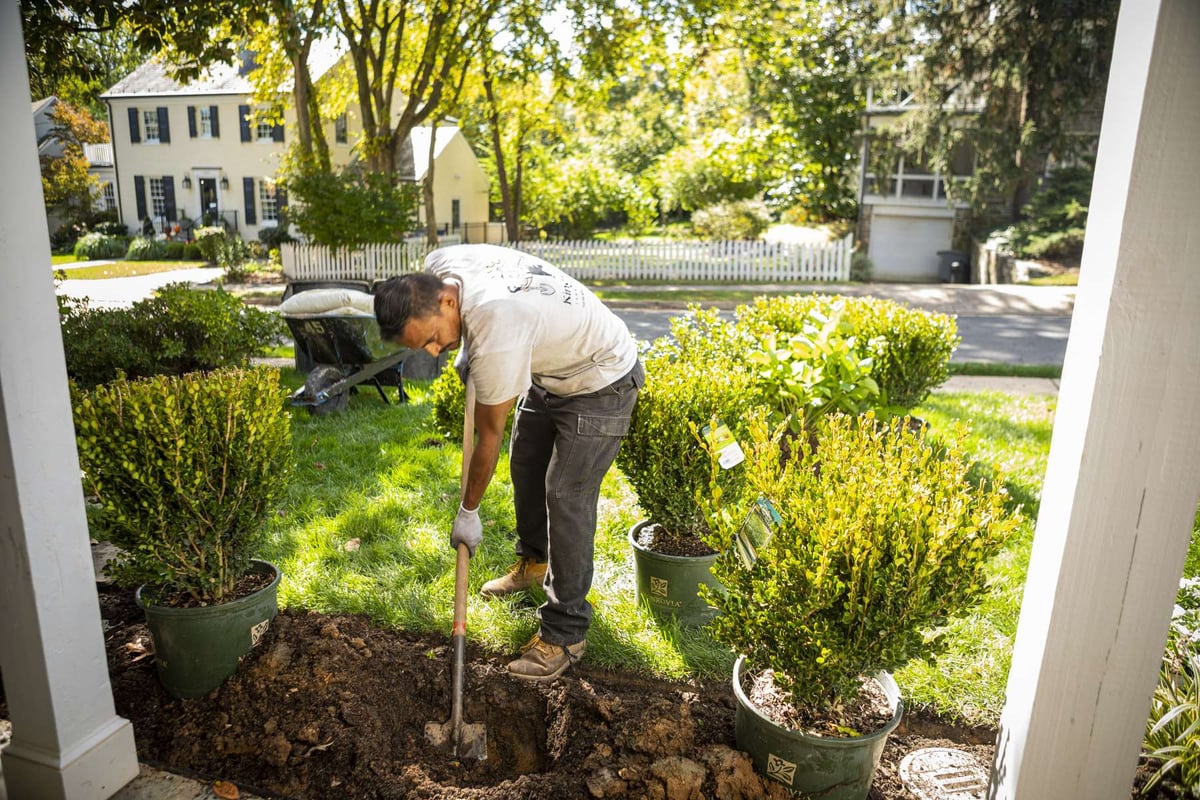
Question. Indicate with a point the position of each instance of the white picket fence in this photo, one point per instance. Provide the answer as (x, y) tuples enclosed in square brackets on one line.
[(673, 261)]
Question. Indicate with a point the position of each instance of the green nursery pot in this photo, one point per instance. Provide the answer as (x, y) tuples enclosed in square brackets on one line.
[(667, 585), (832, 768), (196, 649)]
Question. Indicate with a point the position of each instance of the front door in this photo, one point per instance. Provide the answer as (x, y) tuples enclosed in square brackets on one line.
[(209, 213)]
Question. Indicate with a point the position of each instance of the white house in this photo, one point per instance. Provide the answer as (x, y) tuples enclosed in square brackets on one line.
[(194, 153)]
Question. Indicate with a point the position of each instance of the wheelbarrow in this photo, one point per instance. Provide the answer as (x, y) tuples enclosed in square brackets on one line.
[(336, 333)]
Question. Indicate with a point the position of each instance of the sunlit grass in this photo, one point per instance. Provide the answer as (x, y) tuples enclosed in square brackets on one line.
[(126, 269), (366, 531)]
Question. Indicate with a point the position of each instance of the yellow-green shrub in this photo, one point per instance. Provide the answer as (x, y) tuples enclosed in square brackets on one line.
[(185, 470), (913, 347), (882, 540)]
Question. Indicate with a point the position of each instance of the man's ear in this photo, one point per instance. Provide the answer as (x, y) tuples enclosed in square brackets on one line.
[(448, 297)]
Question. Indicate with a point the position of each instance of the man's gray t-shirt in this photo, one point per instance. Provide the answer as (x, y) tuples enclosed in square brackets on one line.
[(524, 320)]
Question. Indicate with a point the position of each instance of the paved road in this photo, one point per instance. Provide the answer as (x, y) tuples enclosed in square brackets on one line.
[(986, 338), (998, 324)]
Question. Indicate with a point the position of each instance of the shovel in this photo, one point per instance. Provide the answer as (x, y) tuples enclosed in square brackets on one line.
[(466, 741)]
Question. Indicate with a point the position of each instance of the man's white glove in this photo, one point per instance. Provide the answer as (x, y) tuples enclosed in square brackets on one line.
[(460, 364), (467, 529)]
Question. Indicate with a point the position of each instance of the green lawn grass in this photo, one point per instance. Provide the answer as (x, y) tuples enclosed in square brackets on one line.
[(125, 269), (65, 258), (365, 530)]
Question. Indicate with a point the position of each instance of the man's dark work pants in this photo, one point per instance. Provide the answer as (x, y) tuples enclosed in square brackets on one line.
[(561, 449)]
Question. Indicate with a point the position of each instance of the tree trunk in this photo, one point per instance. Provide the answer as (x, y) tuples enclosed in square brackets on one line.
[(511, 222), (431, 228)]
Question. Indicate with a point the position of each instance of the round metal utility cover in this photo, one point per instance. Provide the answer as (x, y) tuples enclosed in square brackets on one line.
[(939, 773)]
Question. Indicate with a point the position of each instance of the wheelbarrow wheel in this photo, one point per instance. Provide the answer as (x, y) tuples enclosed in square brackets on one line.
[(320, 379)]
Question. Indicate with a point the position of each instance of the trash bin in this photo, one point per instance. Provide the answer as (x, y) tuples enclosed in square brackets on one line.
[(954, 266)]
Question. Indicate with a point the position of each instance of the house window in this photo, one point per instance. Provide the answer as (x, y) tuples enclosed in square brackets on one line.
[(205, 125), (264, 131), (150, 126), (158, 199), (339, 129), (268, 201), (109, 193)]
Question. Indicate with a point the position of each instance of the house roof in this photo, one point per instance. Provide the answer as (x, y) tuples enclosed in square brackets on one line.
[(153, 78), (44, 103), (420, 146)]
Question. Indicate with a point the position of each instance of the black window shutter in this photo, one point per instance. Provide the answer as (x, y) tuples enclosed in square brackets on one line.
[(216, 129), (169, 197), (192, 121), (280, 199), (139, 189), (277, 133), (164, 127), (244, 118), (248, 194), (135, 130)]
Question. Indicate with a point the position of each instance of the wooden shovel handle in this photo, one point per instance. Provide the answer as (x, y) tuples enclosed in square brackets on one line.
[(464, 555)]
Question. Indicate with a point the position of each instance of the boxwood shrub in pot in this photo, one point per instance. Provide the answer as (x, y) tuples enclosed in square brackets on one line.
[(666, 464), (881, 539), (184, 472)]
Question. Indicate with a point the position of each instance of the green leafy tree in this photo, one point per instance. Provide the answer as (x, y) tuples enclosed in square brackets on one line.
[(67, 187), (351, 208), (410, 59), (807, 65), (1032, 69)]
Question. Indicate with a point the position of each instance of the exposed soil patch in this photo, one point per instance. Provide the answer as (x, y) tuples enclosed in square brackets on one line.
[(658, 539), (334, 707)]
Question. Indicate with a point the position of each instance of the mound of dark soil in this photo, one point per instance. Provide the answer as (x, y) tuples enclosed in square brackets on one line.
[(334, 707)]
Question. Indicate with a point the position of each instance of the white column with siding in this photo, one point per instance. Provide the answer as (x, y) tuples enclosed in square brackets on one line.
[(1123, 477), (67, 741)]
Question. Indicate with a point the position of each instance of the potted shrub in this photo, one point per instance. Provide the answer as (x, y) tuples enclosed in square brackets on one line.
[(687, 384), (184, 471), (879, 538)]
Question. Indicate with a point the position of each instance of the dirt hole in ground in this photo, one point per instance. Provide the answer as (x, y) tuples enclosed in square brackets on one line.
[(335, 707)]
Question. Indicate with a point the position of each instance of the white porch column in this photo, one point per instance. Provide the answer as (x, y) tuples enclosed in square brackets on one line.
[(67, 741), (1124, 472)]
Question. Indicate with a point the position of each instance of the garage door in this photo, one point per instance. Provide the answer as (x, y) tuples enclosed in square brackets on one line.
[(905, 247)]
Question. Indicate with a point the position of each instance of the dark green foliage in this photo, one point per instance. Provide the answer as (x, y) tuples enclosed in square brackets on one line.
[(179, 330), (175, 250), (185, 471), (220, 248), (111, 228), (191, 252), (1055, 218), (882, 541), (146, 248), (98, 245), (351, 208), (274, 236), (910, 349), (662, 454)]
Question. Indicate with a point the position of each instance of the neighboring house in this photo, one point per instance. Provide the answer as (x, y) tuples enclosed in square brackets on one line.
[(193, 154), (912, 231), (99, 157), (904, 216)]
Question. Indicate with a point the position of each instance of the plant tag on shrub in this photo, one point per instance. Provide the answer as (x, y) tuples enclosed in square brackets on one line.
[(729, 452), (756, 531)]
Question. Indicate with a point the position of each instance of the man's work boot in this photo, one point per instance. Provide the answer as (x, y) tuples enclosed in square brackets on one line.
[(544, 661), (521, 576)]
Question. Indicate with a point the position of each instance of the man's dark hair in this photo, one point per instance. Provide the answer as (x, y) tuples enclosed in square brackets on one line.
[(397, 300)]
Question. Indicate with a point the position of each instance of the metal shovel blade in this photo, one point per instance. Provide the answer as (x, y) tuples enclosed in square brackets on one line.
[(470, 743)]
